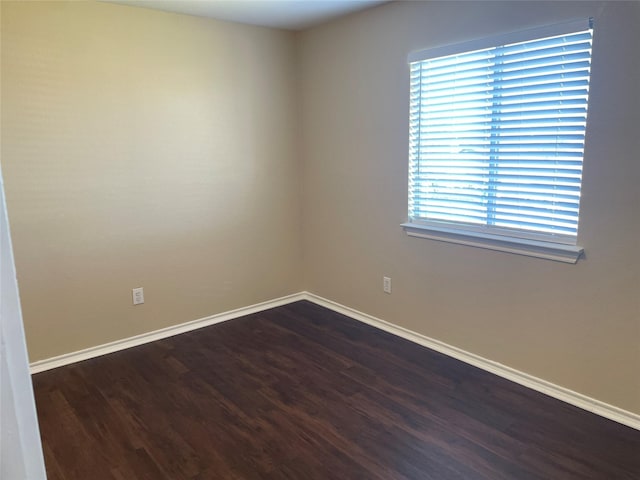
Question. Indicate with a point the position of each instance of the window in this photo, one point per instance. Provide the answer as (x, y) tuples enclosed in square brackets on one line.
[(496, 143)]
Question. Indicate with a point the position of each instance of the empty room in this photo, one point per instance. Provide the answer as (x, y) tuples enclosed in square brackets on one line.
[(320, 239)]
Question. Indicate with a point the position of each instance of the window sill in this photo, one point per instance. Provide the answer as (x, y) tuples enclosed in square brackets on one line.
[(520, 246)]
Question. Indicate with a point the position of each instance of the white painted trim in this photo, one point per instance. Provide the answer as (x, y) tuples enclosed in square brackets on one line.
[(21, 454), (558, 252), (92, 352), (561, 393), (556, 391)]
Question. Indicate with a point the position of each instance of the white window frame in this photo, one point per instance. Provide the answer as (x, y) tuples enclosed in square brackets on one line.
[(518, 242)]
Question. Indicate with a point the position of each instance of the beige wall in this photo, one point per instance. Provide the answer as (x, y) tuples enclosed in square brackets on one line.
[(149, 149), (575, 325)]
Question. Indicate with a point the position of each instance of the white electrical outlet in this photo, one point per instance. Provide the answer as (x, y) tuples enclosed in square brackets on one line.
[(386, 284), (138, 296)]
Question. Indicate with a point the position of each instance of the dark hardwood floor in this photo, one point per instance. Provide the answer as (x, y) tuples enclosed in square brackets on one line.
[(300, 392)]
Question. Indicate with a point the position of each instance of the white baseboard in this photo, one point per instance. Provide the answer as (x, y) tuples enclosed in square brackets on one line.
[(87, 353), (561, 393)]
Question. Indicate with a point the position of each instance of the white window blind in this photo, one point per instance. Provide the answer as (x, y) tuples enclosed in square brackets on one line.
[(497, 133)]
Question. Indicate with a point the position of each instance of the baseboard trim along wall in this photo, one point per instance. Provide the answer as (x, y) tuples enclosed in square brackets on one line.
[(111, 347), (561, 393)]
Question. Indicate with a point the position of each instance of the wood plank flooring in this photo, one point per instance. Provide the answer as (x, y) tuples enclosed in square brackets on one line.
[(302, 393)]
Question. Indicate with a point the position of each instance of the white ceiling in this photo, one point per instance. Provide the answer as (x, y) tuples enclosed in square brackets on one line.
[(287, 14)]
